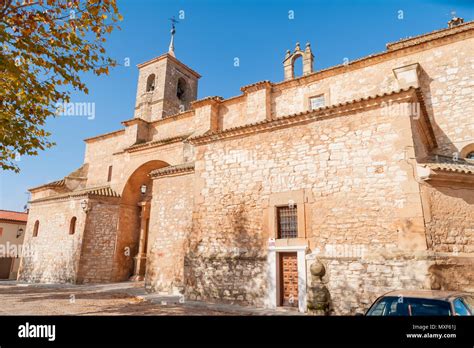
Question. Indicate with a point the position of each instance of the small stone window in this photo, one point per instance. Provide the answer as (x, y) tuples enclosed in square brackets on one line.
[(181, 89), (109, 175), (72, 225), (36, 228), (317, 102), (470, 155), (287, 221), (150, 83)]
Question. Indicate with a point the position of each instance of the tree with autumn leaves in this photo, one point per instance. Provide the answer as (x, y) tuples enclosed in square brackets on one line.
[(45, 46)]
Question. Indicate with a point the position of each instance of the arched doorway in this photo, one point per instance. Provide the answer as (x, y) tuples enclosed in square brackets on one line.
[(134, 215)]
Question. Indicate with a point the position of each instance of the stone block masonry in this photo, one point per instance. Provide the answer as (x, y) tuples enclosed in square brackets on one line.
[(193, 189)]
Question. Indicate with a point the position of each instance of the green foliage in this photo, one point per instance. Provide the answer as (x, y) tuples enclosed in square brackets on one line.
[(44, 46)]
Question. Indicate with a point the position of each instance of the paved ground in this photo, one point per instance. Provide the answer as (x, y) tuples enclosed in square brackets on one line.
[(106, 299)]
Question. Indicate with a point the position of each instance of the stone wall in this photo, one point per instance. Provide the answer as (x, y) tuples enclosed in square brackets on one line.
[(169, 229), (354, 283), (11, 243), (98, 246), (53, 255), (228, 279), (361, 188), (445, 81), (449, 214), (99, 156)]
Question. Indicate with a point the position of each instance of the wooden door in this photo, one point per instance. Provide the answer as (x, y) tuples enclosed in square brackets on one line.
[(5, 266), (289, 279)]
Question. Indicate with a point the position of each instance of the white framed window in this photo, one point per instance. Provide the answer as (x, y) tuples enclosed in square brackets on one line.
[(317, 102)]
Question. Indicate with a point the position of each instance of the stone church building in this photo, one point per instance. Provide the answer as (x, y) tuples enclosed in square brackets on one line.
[(322, 191)]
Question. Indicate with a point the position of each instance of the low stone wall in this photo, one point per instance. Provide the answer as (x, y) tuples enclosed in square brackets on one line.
[(355, 283), (226, 279)]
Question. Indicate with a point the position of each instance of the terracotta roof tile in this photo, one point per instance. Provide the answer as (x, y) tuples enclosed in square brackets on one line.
[(437, 34), (101, 191), (155, 143), (180, 168), (13, 216), (448, 164), (53, 184)]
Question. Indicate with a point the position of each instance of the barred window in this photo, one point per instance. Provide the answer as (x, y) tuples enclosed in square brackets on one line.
[(287, 221)]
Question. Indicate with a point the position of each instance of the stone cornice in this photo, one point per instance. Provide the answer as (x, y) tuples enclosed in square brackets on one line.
[(50, 185), (133, 121), (155, 143), (446, 170), (437, 34), (206, 101), (446, 177), (256, 86), (179, 169), (106, 135), (170, 57), (101, 191), (303, 117)]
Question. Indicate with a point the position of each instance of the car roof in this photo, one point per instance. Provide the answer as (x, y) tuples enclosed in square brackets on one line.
[(429, 294)]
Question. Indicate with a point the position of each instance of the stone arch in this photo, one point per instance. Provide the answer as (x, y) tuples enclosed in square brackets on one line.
[(72, 225), (467, 150), (289, 63), (181, 89), (36, 228), (133, 214), (295, 59), (150, 83)]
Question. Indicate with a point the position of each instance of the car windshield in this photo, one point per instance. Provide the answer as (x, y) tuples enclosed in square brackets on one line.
[(406, 306)]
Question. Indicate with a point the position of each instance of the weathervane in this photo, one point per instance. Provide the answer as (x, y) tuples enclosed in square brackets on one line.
[(173, 31)]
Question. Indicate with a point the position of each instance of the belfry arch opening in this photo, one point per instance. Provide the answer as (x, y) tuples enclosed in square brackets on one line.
[(297, 65), (134, 216)]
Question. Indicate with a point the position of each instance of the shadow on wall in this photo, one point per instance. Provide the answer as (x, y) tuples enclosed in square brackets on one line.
[(456, 277), (445, 145), (354, 284), (128, 233), (233, 270)]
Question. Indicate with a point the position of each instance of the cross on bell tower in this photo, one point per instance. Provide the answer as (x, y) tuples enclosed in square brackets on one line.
[(173, 31)]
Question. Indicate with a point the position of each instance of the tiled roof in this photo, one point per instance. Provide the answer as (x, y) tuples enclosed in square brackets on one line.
[(13, 216), (101, 191), (437, 34), (104, 191), (206, 100), (105, 135), (180, 168), (155, 143), (255, 85), (53, 184), (448, 164)]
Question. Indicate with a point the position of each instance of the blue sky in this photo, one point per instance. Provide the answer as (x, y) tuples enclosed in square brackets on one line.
[(208, 39)]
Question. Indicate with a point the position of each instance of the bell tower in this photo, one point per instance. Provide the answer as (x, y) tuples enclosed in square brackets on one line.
[(166, 86)]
